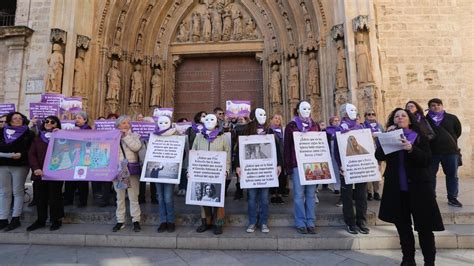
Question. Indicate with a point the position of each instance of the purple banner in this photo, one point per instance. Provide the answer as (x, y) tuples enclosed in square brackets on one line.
[(163, 111), (68, 124), (43, 110), (104, 125), (51, 98), (182, 127), (69, 106), (82, 155), (144, 129), (236, 108), (6, 108)]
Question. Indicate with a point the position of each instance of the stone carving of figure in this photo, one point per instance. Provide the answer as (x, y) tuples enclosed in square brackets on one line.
[(250, 29), (196, 19), (139, 46), (341, 78), (118, 36), (207, 29), (293, 81), (122, 18), (216, 25), (183, 32), (364, 65), (303, 6), (79, 74), (137, 86), (55, 70), (276, 84), (238, 29), (309, 31), (313, 75), (155, 88), (142, 25), (227, 28), (113, 80)]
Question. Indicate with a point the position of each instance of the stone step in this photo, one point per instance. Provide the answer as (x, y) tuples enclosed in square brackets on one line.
[(233, 238)]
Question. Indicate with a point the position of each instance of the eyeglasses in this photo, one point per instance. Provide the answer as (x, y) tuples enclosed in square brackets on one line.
[(369, 114), (220, 113), (52, 122)]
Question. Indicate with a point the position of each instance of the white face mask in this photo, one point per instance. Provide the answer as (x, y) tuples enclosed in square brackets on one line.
[(164, 122), (351, 111), (210, 121), (261, 116), (304, 109)]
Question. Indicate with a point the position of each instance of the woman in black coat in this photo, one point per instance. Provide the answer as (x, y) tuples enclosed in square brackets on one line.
[(408, 191)]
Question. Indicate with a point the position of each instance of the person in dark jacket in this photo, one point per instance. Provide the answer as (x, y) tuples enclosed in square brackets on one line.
[(444, 148), (414, 108), (15, 141), (407, 189), (49, 192), (276, 128)]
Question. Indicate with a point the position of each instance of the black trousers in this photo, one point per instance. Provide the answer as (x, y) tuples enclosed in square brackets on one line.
[(70, 188), (142, 191), (357, 194), (49, 195), (407, 239), (282, 182), (102, 191)]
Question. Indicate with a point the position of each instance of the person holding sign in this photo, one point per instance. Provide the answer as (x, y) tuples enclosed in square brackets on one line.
[(276, 129), (304, 196), (212, 139), (408, 189), (258, 196)]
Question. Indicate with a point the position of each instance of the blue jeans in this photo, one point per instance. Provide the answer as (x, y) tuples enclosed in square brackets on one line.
[(258, 196), (449, 162), (164, 193), (303, 202)]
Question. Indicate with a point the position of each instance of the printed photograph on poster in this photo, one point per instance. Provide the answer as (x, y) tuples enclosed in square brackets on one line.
[(235, 108), (163, 159), (69, 106), (206, 178), (258, 161), (357, 152), (313, 158), (163, 111)]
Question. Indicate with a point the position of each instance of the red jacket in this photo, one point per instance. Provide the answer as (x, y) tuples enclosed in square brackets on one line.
[(36, 155)]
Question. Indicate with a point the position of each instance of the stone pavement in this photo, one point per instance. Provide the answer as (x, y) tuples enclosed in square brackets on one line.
[(63, 255)]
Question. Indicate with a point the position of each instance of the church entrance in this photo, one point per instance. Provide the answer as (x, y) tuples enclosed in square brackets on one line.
[(205, 83)]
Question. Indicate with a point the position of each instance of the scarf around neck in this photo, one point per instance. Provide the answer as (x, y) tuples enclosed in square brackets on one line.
[(85, 126), (196, 127), (374, 126), (11, 133), (303, 124), (211, 136), (437, 117), (45, 135), (277, 131), (348, 124), (160, 132), (410, 135)]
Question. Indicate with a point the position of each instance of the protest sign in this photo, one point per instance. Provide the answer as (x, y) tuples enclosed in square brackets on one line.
[(163, 111), (82, 155), (42, 110), (181, 127), (104, 125), (258, 161), (206, 183), (6, 108), (68, 125), (69, 106), (144, 129), (163, 159), (313, 158), (236, 108), (391, 141), (357, 152), (52, 98)]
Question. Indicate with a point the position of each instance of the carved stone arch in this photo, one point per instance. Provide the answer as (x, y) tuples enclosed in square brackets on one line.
[(321, 20)]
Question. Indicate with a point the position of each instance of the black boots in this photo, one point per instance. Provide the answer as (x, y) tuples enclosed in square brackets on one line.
[(14, 224), (3, 224), (204, 226)]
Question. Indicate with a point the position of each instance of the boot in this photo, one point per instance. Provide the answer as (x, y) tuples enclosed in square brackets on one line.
[(203, 227), (217, 229), (14, 223), (3, 223), (238, 192)]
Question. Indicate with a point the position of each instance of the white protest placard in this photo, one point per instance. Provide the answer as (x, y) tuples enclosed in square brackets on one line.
[(357, 152), (163, 159), (206, 183), (391, 141), (313, 158), (258, 161)]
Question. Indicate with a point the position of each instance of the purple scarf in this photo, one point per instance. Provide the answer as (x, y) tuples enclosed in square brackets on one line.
[(260, 129), (418, 117), (211, 136), (304, 125), (85, 126), (347, 125), (45, 136), (277, 131), (437, 117), (10, 133), (410, 135), (196, 128), (374, 127), (160, 132), (331, 130)]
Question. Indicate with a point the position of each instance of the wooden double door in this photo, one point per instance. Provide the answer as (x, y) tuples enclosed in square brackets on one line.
[(205, 83)]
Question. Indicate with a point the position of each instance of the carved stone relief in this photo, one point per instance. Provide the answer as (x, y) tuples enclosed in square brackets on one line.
[(78, 87), (156, 81), (313, 75), (275, 84), (58, 36), (216, 25), (363, 60), (136, 91), (54, 74), (341, 91), (293, 80), (113, 87), (238, 29)]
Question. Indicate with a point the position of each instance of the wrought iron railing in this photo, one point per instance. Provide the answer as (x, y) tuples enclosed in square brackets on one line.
[(7, 20)]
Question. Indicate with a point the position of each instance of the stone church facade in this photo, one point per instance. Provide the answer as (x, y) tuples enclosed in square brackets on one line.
[(130, 56)]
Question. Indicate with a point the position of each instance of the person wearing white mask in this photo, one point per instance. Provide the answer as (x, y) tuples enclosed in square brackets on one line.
[(212, 139), (304, 196), (257, 196)]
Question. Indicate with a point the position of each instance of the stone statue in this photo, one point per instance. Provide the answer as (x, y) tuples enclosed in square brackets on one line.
[(309, 31), (137, 86), (276, 84), (54, 73), (79, 74), (216, 26), (113, 80), (155, 88), (303, 6), (293, 80), (341, 77), (227, 28), (313, 75), (196, 19), (118, 36), (183, 32), (122, 18), (238, 29), (207, 28), (250, 29), (139, 46), (142, 25), (364, 65)]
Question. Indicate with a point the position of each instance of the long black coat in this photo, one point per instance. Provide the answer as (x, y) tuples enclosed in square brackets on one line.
[(423, 206)]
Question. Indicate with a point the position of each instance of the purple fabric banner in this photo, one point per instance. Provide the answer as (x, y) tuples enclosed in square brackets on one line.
[(236, 108), (104, 125), (42, 110), (82, 155), (144, 129), (51, 98), (6, 108)]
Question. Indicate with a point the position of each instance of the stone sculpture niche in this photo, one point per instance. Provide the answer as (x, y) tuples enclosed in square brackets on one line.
[(114, 78), (54, 74), (156, 85)]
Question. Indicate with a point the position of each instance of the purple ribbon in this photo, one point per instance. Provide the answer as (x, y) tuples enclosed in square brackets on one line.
[(374, 126), (212, 135), (277, 131), (304, 125), (437, 117), (10, 133)]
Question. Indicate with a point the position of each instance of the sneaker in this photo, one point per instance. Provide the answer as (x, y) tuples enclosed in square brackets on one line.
[(118, 227), (316, 200), (302, 230), (181, 193), (265, 228), (34, 226), (251, 228), (369, 196), (377, 196), (351, 229), (339, 202), (311, 230), (163, 227), (363, 229), (55, 225), (454, 203), (136, 227)]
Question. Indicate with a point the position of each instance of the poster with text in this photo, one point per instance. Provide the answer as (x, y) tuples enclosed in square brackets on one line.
[(42, 110), (206, 182), (236, 108), (6, 108), (163, 159), (357, 152), (69, 106), (163, 111), (314, 158), (52, 98), (144, 129), (104, 124), (258, 161), (82, 155), (68, 125)]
